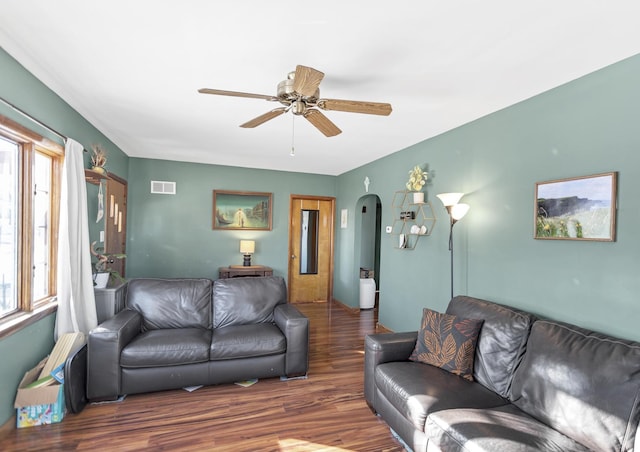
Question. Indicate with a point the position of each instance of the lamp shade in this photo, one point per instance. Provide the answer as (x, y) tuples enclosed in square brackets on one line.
[(247, 246), (459, 210), (450, 199)]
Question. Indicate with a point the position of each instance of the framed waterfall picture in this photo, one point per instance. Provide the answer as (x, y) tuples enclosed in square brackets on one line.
[(242, 210), (579, 208)]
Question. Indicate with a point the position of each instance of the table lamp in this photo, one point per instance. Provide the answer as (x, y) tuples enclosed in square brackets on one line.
[(247, 247)]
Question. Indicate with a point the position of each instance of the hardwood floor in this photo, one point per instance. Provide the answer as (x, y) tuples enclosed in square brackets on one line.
[(325, 412)]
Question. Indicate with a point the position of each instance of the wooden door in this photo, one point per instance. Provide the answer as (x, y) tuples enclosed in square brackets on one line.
[(115, 230), (311, 248)]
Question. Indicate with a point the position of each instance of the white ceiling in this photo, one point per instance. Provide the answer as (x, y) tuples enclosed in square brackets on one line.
[(133, 68)]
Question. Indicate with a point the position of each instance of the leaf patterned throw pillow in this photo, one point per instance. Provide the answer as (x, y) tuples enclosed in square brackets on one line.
[(448, 342)]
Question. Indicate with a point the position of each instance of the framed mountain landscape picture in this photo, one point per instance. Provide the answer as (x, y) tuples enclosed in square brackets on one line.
[(579, 208)]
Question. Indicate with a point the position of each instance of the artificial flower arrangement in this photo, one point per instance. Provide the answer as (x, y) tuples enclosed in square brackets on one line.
[(417, 179)]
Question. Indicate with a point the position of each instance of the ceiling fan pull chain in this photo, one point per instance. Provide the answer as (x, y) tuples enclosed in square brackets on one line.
[(293, 128)]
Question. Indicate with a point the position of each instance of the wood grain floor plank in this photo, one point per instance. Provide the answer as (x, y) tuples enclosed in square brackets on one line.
[(325, 412)]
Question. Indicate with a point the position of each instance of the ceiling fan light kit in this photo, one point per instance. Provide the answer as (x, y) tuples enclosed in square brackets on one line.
[(300, 93)]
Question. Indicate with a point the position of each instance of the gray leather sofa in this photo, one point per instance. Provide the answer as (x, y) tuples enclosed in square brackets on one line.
[(539, 385), (176, 333)]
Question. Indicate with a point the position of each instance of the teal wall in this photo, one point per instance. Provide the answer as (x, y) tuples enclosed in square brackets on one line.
[(585, 127), (172, 235), (25, 348)]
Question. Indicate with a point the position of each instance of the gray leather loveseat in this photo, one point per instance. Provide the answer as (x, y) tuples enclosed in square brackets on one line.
[(539, 385), (176, 333)]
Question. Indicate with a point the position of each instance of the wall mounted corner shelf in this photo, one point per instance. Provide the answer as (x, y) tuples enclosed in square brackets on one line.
[(94, 177)]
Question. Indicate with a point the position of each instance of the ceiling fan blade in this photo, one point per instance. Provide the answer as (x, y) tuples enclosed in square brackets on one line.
[(307, 80), (263, 118), (354, 106), (322, 123), (221, 92)]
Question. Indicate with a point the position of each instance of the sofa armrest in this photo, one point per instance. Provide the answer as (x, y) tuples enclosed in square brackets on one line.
[(105, 344), (382, 348), (295, 326)]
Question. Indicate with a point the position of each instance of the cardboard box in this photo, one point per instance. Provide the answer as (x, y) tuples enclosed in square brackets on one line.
[(41, 405)]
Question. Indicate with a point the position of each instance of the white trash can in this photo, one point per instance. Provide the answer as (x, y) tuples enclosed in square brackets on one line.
[(367, 293)]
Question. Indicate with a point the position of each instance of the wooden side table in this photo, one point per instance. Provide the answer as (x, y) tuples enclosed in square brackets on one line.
[(236, 271)]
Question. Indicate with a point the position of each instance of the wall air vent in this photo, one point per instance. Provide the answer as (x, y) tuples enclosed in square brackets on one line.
[(163, 187)]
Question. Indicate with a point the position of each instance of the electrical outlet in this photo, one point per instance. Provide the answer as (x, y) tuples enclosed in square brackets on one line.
[(102, 236), (388, 229)]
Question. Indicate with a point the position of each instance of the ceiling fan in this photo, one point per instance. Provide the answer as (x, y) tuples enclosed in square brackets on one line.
[(300, 94)]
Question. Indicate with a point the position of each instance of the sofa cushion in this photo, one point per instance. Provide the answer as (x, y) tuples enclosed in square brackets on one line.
[(501, 343), (247, 341), (416, 390), (448, 342), (169, 347), (171, 303), (504, 428), (243, 301), (583, 384)]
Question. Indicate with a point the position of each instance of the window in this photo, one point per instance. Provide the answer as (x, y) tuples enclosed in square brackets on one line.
[(30, 168), (8, 227), (41, 229)]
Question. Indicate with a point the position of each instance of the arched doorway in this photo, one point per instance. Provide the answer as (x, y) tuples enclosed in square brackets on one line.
[(368, 237)]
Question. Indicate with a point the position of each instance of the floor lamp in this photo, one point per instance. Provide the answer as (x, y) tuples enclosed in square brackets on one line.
[(456, 211)]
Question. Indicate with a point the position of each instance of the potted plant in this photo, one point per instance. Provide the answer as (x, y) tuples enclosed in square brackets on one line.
[(417, 179), (102, 272), (98, 159)]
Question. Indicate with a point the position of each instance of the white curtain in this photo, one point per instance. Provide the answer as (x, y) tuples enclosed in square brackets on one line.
[(76, 301)]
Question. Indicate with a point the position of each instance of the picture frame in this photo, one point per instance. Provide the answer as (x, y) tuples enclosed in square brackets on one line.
[(242, 210), (578, 208)]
